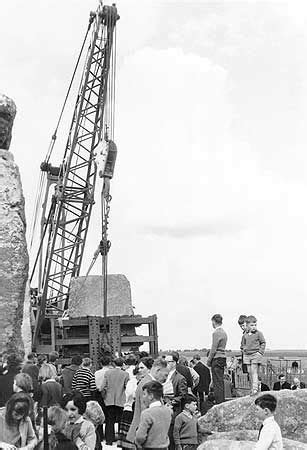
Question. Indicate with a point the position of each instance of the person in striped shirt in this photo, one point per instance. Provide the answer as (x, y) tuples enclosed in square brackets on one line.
[(84, 380)]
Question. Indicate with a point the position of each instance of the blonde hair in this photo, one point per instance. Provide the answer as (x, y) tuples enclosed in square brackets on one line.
[(94, 413), (45, 372), (57, 418)]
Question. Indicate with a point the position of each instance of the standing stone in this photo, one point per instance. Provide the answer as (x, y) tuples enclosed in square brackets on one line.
[(13, 248)]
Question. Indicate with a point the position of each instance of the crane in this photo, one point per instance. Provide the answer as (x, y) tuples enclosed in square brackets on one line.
[(64, 228)]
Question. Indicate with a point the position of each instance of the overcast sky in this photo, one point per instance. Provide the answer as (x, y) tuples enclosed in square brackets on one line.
[(209, 209)]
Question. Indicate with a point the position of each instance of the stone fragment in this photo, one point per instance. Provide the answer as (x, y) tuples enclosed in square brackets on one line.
[(7, 116), (240, 414)]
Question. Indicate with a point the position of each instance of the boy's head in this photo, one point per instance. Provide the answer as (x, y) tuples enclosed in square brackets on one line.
[(217, 320), (242, 321), (265, 406), (189, 403), (251, 323), (152, 392)]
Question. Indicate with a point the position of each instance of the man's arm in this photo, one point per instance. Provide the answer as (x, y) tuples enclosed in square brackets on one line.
[(177, 427), (142, 431), (215, 341), (261, 342), (181, 390), (92, 382)]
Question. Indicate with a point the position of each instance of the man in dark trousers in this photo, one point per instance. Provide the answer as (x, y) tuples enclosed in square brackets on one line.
[(174, 390), (202, 388), (113, 390), (217, 358), (281, 384)]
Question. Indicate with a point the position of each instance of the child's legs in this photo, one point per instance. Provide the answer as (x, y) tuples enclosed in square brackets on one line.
[(254, 367)]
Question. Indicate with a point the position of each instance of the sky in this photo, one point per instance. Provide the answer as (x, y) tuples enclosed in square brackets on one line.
[(209, 195)]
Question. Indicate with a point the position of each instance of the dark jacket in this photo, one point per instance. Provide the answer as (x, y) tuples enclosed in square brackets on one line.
[(180, 390), (6, 384), (32, 370), (67, 376), (264, 387), (58, 441), (184, 371), (278, 387), (204, 377)]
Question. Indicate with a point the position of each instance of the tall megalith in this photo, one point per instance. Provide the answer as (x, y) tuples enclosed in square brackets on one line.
[(13, 247)]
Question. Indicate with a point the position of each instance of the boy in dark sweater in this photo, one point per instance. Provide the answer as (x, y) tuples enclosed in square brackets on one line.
[(155, 420), (253, 347), (186, 426)]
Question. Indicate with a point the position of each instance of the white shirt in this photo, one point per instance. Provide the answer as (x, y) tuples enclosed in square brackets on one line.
[(168, 388), (270, 436), (130, 393), (99, 376)]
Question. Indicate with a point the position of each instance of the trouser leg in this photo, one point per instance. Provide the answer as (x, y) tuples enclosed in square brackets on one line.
[(110, 421), (217, 368)]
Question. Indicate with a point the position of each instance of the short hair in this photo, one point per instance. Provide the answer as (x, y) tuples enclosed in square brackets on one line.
[(76, 360), (147, 361), (41, 358), (53, 356), (155, 388), (13, 361), (31, 356), (86, 362), (77, 398), (160, 362), (130, 359), (143, 354), (57, 418), (119, 362), (175, 356), (46, 372), (242, 319), (24, 382), (94, 413), (105, 360), (251, 319), (217, 318), (281, 375), (188, 399), (267, 401), (19, 402), (183, 361), (197, 357)]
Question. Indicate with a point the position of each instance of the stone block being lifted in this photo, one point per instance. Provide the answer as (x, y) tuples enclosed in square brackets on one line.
[(86, 296)]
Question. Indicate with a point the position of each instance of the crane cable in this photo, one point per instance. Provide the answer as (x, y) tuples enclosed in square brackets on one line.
[(40, 189)]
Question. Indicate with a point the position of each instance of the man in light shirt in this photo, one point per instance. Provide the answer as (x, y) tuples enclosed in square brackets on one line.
[(269, 435)]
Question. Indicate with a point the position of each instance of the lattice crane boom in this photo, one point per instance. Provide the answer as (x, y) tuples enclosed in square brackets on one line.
[(72, 202)]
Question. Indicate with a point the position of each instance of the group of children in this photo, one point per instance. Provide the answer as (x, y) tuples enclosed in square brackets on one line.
[(153, 431)]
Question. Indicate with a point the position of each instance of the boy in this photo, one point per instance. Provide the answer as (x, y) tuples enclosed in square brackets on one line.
[(186, 425), (253, 346), (155, 420), (269, 434)]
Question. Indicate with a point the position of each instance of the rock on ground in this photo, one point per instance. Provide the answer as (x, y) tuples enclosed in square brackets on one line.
[(228, 444), (239, 414), (251, 436)]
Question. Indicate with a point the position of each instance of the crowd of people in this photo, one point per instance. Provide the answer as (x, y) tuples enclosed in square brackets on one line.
[(155, 402)]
